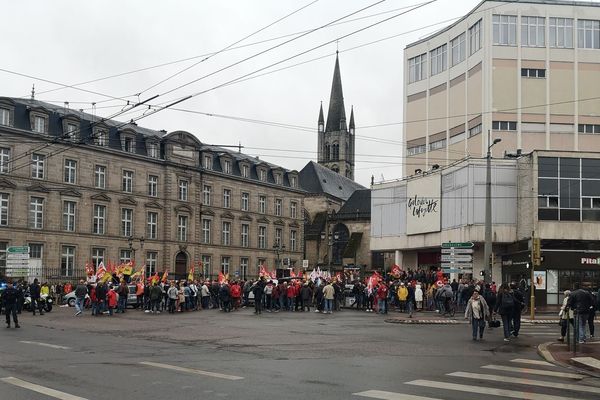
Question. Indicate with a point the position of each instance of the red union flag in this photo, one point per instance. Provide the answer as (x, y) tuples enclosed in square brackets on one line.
[(100, 271), (263, 271), (396, 271)]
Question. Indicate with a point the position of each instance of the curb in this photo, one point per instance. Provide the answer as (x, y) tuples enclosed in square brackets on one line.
[(543, 351), (424, 321)]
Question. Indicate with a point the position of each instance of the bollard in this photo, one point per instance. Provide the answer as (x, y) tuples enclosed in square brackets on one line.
[(575, 333), (568, 322)]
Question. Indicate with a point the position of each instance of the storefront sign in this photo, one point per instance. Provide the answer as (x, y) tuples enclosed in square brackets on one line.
[(423, 207), (539, 279), (593, 261)]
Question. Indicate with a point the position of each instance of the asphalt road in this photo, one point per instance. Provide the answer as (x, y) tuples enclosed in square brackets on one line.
[(210, 354)]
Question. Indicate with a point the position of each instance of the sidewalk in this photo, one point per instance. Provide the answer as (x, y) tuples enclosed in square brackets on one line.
[(431, 317), (586, 360)]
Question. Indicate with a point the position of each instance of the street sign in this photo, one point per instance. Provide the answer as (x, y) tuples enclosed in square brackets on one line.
[(18, 249), (457, 265), (304, 263), (457, 251), (457, 257), (17, 261), (457, 271), (457, 245)]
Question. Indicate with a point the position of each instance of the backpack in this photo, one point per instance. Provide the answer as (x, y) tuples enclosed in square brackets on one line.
[(508, 301)]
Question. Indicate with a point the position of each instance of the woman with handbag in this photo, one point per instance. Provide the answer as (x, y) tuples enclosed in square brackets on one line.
[(477, 312), (566, 317)]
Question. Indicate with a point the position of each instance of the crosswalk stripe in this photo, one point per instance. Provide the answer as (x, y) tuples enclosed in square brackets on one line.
[(534, 371), (192, 371), (521, 381), (535, 362), (589, 361), (52, 346), (380, 394), (538, 333), (514, 394), (40, 389)]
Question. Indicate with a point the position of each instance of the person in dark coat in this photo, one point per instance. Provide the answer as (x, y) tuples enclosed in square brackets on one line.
[(305, 297), (101, 292), (581, 301), (225, 297), (505, 305), (10, 298), (258, 289), (34, 293)]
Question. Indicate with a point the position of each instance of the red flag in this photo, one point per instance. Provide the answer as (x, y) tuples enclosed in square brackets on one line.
[(165, 275), (396, 271), (101, 271), (292, 273), (155, 278), (273, 274), (222, 278), (89, 268), (263, 271)]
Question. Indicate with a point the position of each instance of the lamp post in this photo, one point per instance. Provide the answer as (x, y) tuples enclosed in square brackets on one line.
[(278, 248), (130, 241), (487, 249)]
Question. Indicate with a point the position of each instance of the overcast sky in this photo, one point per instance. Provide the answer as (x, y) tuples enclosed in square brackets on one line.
[(70, 42)]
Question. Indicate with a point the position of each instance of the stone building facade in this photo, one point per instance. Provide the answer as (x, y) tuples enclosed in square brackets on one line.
[(78, 189)]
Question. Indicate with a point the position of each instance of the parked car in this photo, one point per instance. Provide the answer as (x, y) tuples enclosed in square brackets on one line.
[(131, 299)]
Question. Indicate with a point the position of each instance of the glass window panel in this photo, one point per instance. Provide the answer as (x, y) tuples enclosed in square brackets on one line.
[(548, 166), (547, 186), (547, 214), (569, 215), (569, 167), (590, 168), (590, 215), (590, 188), (569, 193)]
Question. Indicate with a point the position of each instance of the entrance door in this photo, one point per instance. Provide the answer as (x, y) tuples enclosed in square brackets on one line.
[(181, 262)]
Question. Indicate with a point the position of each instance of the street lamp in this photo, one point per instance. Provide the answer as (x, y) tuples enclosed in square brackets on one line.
[(278, 248), (487, 248), (130, 241), (331, 239)]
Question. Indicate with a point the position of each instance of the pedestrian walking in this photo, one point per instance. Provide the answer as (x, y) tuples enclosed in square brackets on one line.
[(566, 316), (582, 302), (80, 292), (477, 312), (10, 298), (34, 295), (505, 306)]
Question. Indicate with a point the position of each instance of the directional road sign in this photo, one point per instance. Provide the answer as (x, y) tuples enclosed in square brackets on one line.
[(457, 258), (457, 251), (458, 245)]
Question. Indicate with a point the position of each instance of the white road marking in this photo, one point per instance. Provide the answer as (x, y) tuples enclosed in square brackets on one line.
[(192, 371), (52, 346), (535, 362), (534, 371), (514, 394), (40, 389), (538, 333), (380, 394), (521, 381), (589, 361)]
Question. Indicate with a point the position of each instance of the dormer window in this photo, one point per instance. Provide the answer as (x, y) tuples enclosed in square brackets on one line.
[(39, 124), (101, 137), (293, 181), (207, 162), (153, 150), (128, 141), (72, 131), (128, 145), (278, 179), (4, 116), (245, 171), (262, 175), (227, 166)]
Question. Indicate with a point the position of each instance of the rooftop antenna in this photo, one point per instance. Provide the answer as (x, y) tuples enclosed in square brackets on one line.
[(93, 112), (66, 106), (33, 92), (240, 146)]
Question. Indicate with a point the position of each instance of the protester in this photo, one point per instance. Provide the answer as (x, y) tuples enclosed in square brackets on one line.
[(328, 295), (34, 294), (80, 292), (111, 300), (258, 289)]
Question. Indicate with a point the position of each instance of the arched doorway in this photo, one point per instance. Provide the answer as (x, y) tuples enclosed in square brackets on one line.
[(340, 241), (181, 262)]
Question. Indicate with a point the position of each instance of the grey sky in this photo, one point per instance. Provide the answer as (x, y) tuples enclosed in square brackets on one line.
[(76, 41)]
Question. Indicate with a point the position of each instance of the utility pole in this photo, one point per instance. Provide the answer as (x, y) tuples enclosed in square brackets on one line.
[(487, 249), (536, 260)]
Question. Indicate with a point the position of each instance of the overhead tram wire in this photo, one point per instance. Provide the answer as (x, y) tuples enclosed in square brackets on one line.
[(227, 47)]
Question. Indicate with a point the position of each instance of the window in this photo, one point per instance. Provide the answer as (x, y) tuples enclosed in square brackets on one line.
[(245, 171), (225, 261), (70, 171), (459, 49), (293, 181), (504, 125), (278, 206), (206, 231), (36, 213), (474, 131), (505, 30), (97, 256), (262, 237), (207, 162), (99, 219), (588, 128), (39, 124), (206, 267), (151, 263), (67, 261), (278, 237), (183, 190), (588, 34), (3, 209), (533, 73), (4, 160), (72, 132), (293, 242), (206, 195), (227, 166), (262, 204), (278, 179), (438, 144), (411, 151), (561, 32), (100, 177), (129, 145), (153, 150), (124, 256), (533, 31), (293, 209), (152, 185), (126, 222), (37, 165), (226, 198), (456, 138), (417, 68), (439, 60), (244, 267), (69, 216), (4, 116), (182, 228), (101, 137), (245, 201), (245, 235), (36, 250), (152, 225), (3, 246), (475, 37), (127, 182), (226, 233), (263, 175)]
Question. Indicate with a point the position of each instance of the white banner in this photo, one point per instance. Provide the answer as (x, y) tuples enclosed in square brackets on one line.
[(424, 205)]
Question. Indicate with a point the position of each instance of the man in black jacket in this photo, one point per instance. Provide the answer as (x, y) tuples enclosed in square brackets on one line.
[(519, 305), (11, 297), (582, 302), (258, 289), (34, 293)]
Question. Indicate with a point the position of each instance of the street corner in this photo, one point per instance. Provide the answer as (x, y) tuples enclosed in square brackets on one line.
[(585, 360)]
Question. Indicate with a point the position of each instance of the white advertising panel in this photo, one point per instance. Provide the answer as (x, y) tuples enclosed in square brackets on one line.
[(423, 205)]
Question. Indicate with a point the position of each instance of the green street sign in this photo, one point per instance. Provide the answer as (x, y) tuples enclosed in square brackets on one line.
[(457, 245), (18, 249)]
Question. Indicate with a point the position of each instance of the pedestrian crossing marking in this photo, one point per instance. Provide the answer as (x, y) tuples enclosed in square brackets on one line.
[(514, 394), (57, 394), (192, 371), (380, 394), (534, 371), (522, 381), (535, 362), (588, 361)]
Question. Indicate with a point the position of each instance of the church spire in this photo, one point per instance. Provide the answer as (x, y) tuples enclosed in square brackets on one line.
[(351, 125), (336, 117), (321, 119)]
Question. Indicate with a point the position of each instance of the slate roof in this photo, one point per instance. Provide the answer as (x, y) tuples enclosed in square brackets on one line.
[(317, 179), (357, 206), (336, 112)]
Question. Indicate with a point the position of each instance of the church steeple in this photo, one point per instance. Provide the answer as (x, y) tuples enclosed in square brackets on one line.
[(321, 119), (336, 117), (351, 126)]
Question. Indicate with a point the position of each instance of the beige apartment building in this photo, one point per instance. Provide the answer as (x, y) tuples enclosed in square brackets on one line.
[(77, 189), (527, 72)]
